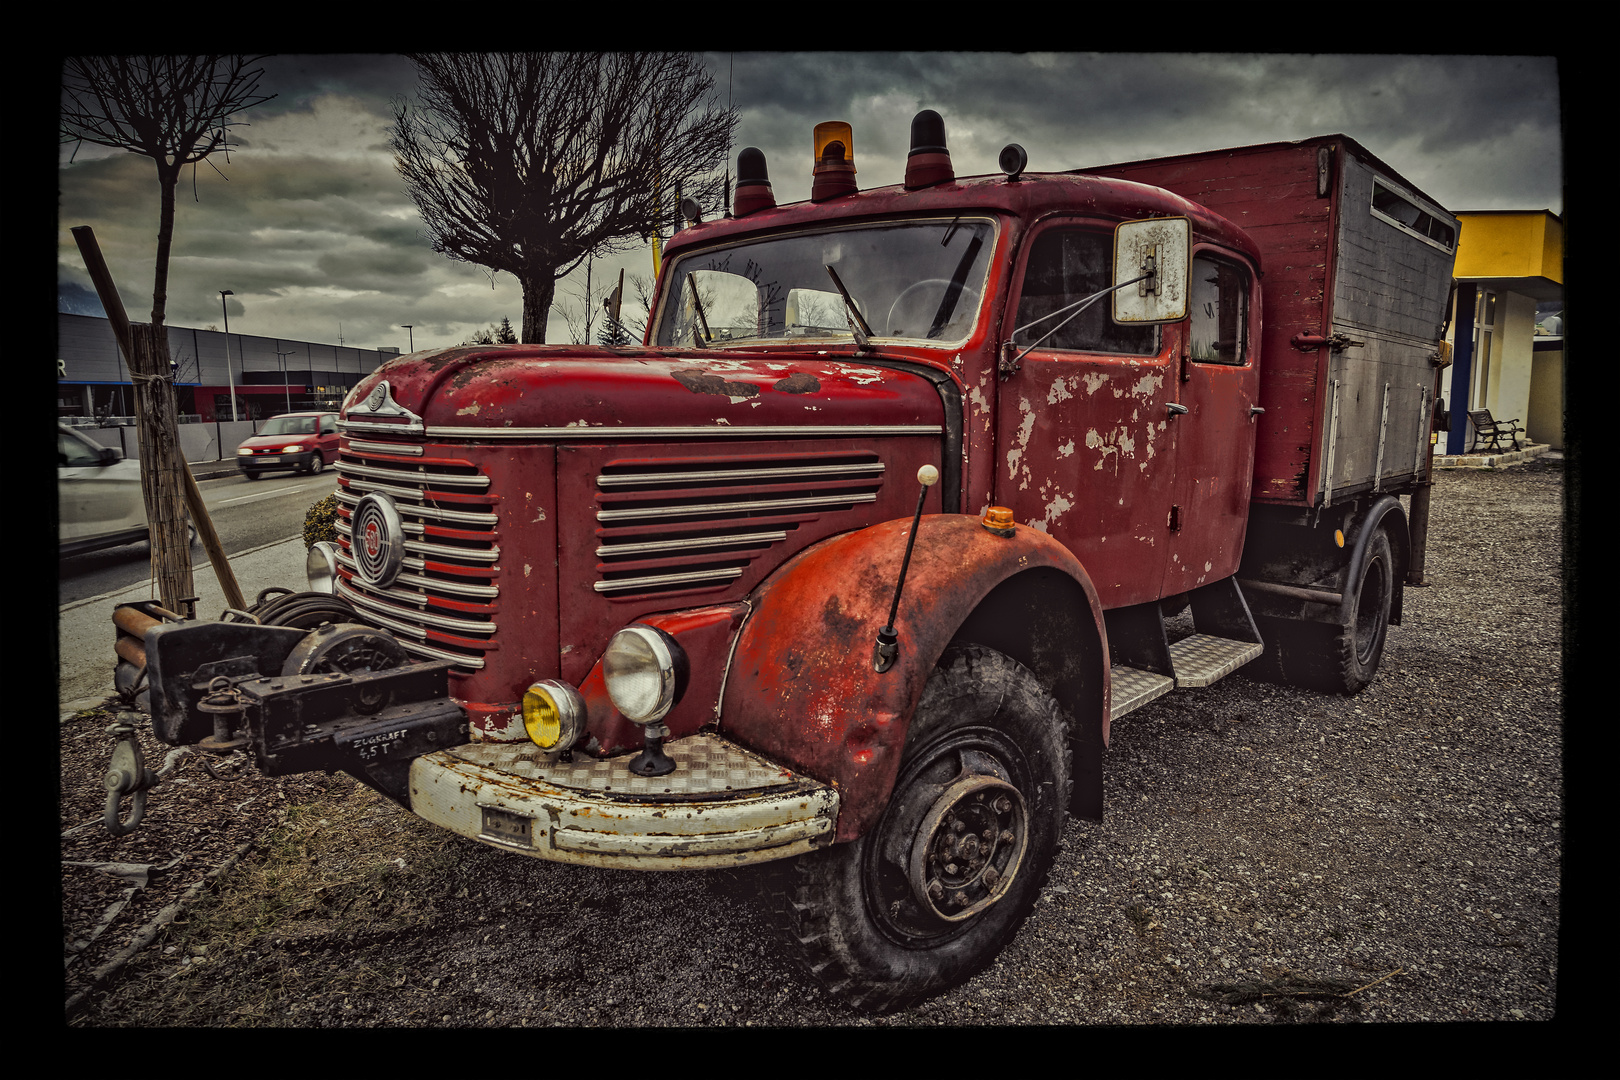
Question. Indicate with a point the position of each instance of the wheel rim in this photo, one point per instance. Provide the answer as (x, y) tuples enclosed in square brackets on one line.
[(953, 842), (970, 847), (1370, 609)]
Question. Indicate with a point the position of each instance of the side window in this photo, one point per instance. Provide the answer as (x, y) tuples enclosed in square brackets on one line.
[(1065, 266), (73, 453), (1219, 330)]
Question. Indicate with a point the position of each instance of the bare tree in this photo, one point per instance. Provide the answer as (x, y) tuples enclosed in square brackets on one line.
[(529, 162), (176, 110)]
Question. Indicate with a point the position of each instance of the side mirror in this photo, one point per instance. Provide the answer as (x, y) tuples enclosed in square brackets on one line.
[(110, 455), (1160, 248)]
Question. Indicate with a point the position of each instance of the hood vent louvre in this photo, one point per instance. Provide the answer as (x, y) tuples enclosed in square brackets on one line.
[(678, 524)]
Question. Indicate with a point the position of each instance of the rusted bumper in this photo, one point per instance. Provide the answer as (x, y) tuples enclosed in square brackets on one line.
[(722, 806)]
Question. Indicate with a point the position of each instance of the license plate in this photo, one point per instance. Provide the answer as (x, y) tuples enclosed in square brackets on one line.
[(273, 459), (507, 827)]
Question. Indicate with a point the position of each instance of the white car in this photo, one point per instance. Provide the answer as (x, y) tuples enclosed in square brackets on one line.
[(98, 495)]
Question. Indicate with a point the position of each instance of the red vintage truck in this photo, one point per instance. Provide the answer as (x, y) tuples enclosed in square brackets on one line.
[(851, 565)]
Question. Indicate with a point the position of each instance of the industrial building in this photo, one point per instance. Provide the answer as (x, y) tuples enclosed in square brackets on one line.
[(270, 375)]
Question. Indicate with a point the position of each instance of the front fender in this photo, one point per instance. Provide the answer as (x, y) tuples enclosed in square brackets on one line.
[(802, 688)]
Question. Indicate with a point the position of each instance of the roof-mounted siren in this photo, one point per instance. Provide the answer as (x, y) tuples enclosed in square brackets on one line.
[(834, 173), (753, 185), (929, 161)]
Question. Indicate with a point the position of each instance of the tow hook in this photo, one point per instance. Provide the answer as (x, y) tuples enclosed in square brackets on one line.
[(128, 775), (224, 703)]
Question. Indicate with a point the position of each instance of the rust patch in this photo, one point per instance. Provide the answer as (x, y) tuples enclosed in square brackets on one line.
[(800, 382), (840, 627), (701, 382)]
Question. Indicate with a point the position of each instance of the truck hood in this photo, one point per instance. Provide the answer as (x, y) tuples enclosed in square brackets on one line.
[(544, 390)]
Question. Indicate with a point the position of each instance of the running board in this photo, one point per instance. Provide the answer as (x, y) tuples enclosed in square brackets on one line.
[(1199, 660)]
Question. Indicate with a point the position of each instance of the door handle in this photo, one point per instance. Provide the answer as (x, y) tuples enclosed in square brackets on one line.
[(1175, 410), (1255, 410)]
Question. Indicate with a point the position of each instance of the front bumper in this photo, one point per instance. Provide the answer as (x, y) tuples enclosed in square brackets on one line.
[(298, 459), (722, 806)]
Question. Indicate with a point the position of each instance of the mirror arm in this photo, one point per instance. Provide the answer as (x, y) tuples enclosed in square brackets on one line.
[(1079, 306)]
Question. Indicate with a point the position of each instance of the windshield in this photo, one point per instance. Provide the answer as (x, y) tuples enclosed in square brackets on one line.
[(289, 425), (922, 280)]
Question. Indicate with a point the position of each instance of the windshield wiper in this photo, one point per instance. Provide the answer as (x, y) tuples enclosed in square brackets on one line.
[(697, 305), (857, 324), (947, 303)]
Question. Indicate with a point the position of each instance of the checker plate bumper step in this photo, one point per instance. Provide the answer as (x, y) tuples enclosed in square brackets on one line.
[(722, 806), (1199, 660)]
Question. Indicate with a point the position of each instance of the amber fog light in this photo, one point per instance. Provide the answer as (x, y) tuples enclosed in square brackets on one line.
[(553, 715), (645, 672)]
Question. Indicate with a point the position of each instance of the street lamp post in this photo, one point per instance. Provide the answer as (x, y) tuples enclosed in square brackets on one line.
[(410, 334), (229, 374), (282, 356)]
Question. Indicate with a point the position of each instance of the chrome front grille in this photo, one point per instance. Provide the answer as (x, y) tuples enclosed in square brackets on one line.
[(442, 604), (684, 523)]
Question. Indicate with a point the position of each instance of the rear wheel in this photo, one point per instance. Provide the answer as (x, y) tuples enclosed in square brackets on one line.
[(944, 880), (1340, 657)]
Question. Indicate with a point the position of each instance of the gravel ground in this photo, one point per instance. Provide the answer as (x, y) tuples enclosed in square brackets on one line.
[(1270, 856)]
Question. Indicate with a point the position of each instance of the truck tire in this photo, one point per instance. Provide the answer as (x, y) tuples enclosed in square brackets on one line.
[(1341, 657), (944, 880)]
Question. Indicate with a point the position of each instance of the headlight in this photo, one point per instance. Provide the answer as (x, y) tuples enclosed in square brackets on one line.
[(293, 449), (553, 715), (645, 672), (244, 451), (321, 566)]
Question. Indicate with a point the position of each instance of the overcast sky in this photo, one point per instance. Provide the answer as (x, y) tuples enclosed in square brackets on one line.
[(311, 229)]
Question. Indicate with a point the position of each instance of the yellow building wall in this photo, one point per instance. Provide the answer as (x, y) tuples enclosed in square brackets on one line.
[(1546, 419), (1507, 245), (1511, 355)]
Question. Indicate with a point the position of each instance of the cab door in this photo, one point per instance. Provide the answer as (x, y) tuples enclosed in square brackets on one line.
[(1085, 449), (1216, 381)]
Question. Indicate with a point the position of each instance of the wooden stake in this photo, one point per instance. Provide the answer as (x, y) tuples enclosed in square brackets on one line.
[(113, 305)]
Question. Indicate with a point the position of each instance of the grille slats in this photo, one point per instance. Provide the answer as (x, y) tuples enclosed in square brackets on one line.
[(679, 524), (443, 602)]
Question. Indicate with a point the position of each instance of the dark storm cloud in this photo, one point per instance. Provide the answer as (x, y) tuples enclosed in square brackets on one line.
[(311, 226), (1482, 130), (370, 80)]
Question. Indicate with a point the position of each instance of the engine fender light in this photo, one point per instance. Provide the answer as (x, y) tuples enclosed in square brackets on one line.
[(645, 672), (553, 715), (999, 520)]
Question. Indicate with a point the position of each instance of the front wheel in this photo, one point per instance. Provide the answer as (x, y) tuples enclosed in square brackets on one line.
[(944, 880), (316, 464)]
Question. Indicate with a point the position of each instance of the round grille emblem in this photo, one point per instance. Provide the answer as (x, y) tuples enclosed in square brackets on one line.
[(381, 551)]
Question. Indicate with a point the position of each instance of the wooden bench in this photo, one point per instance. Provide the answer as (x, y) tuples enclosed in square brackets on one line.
[(1494, 430)]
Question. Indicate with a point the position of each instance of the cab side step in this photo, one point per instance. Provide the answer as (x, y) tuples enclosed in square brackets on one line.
[(1146, 665)]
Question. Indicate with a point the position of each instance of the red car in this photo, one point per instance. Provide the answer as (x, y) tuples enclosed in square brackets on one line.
[(303, 442)]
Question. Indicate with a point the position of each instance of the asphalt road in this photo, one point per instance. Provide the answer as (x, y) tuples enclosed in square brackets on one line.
[(246, 513)]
